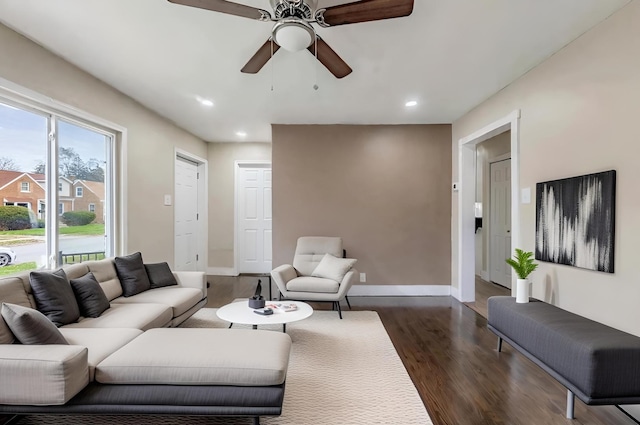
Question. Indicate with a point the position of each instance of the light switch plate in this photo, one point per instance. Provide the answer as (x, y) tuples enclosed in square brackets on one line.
[(525, 195), (167, 200)]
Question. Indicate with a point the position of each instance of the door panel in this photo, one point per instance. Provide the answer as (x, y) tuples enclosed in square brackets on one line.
[(254, 219), (186, 215), (500, 218)]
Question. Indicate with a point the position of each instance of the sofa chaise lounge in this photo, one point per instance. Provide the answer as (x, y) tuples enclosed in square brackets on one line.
[(132, 360)]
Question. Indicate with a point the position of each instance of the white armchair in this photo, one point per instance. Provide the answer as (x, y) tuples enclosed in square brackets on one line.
[(307, 282)]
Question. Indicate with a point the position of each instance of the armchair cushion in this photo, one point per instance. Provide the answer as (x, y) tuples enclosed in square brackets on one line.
[(333, 268), (313, 284), (310, 250)]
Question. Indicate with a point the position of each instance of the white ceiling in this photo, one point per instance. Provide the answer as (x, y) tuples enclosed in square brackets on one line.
[(449, 55)]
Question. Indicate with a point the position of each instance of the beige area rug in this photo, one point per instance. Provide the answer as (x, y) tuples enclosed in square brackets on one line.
[(344, 372)]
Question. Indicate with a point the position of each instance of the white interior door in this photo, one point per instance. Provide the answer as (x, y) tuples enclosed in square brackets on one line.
[(500, 217), (186, 215), (253, 194)]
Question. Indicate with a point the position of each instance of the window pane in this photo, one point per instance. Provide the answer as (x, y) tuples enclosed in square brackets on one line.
[(82, 167), (23, 149)]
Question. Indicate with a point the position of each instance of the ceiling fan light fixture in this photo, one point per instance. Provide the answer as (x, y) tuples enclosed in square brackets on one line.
[(293, 34)]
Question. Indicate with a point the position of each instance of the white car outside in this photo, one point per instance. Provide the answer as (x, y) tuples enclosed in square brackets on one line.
[(7, 256)]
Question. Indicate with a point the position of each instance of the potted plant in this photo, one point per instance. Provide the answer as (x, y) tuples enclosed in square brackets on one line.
[(523, 264)]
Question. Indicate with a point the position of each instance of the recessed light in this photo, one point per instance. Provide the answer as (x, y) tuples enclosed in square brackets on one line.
[(411, 103), (206, 102), (241, 133)]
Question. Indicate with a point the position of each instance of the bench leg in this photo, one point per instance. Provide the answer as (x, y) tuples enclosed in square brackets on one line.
[(571, 398), (499, 344), (256, 420)]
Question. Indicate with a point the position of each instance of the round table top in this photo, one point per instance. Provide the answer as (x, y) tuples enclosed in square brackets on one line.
[(240, 312)]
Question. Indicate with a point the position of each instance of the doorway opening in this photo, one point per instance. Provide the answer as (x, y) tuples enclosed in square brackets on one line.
[(467, 156)]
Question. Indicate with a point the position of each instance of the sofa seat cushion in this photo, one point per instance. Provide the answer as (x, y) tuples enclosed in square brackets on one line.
[(313, 284), (136, 316), (199, 357), (179, 299), (42, 375), (100, 342)]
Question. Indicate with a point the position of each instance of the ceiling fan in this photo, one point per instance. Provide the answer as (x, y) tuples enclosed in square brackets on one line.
[(293, 30)]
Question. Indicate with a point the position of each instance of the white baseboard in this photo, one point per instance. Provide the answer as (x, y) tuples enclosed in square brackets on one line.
[(484, 275), (399, 290), (455, 293), (222, 271)]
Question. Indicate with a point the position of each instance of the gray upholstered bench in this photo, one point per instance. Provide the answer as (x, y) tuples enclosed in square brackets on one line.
[(597, 363)]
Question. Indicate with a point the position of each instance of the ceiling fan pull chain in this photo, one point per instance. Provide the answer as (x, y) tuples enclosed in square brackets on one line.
[(315, 41), (272, 71)]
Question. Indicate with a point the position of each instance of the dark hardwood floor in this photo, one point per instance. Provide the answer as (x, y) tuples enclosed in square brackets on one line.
[(452, 360)]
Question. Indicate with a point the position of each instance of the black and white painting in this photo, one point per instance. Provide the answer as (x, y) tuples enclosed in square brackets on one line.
[(575, 222)]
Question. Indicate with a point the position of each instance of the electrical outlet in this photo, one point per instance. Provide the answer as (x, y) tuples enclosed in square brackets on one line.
[(363, 277)]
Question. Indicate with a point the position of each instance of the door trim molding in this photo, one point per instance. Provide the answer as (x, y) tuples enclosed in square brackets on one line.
[(236, 173), (466, 198), (203, 207)]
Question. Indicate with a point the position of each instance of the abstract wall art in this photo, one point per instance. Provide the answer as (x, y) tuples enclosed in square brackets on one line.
[(575, 221)]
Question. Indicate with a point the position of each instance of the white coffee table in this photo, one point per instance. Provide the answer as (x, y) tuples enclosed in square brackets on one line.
[(240, 312)]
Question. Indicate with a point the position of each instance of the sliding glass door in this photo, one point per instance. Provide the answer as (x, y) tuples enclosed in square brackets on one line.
[(56, 189)]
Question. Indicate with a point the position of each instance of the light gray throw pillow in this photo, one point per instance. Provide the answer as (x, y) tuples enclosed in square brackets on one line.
[(333, 268), (30, 326)]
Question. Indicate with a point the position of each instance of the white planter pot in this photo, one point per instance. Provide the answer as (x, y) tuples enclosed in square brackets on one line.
[(522, 291)]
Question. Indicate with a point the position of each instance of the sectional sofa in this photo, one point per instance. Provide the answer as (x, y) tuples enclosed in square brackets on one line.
[(131, 358)]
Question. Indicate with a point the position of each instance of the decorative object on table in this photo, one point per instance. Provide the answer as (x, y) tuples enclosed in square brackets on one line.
[(523, 265), (257, 301), (575, 221), (282, 307)]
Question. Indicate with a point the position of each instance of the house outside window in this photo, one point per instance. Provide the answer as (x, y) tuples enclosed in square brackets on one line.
[(78, 192), (60, 208), (92, 208), (59, 187), (24, 187)]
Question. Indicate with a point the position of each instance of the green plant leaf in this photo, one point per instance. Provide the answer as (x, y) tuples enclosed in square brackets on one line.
[(522, 263)]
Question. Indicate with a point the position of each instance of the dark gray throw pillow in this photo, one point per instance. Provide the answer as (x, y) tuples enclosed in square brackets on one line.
[(132, 274), (54, 296), (30, 326), (160, 275), (90, 296)]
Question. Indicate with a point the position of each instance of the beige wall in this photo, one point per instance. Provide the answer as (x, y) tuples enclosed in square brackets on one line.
[(580, 115), (222, 158), (384, 189), (151, 138)]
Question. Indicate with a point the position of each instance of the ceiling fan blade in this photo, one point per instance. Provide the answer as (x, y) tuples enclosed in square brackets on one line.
[(330, 59), (223, 6), (261, 57), (366, 11)]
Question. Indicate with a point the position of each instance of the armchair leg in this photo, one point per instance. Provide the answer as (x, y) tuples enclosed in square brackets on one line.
[(337, 306), (348, 303)]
